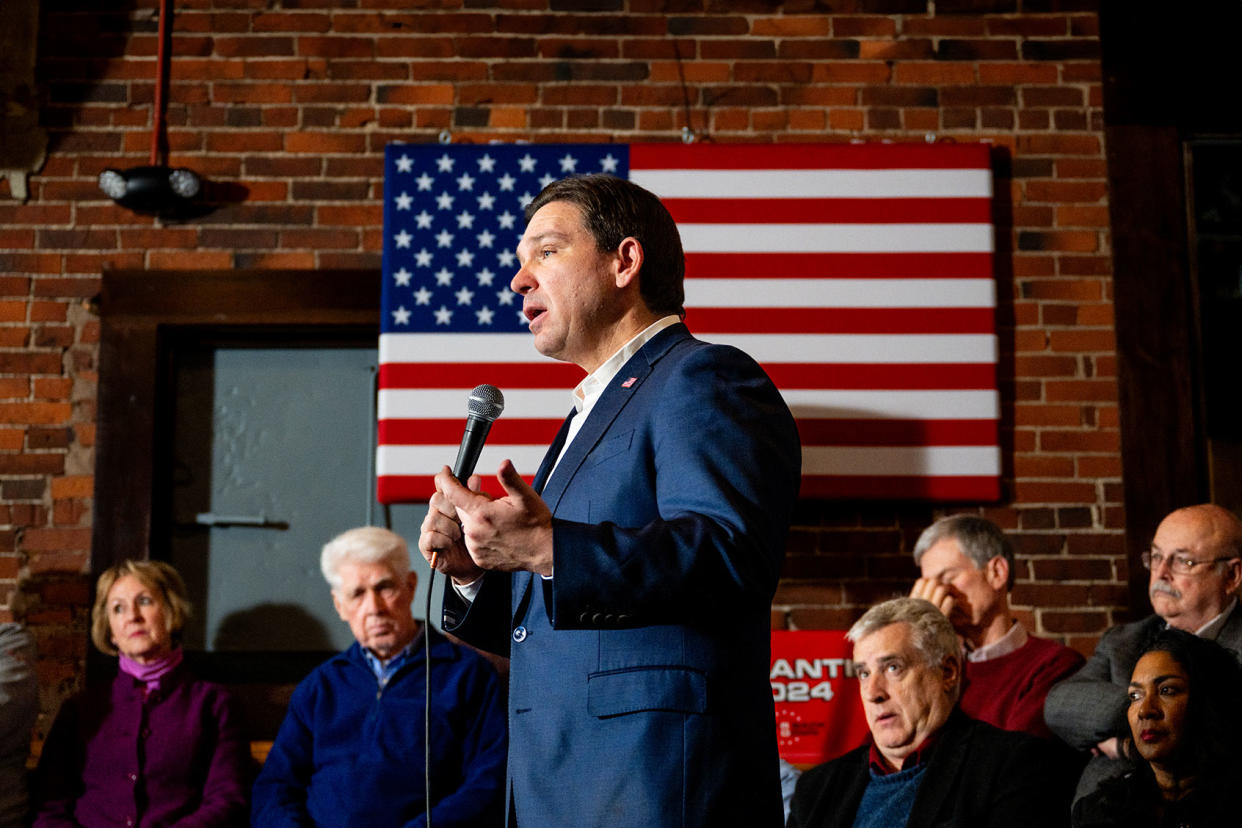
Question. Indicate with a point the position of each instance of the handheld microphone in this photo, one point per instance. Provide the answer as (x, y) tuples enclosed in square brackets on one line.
[(482, 408)]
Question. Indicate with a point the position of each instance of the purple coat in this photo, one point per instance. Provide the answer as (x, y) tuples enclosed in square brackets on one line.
[(179, 758)]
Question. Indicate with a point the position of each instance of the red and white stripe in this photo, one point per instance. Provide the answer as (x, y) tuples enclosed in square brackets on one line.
[(859, 276)]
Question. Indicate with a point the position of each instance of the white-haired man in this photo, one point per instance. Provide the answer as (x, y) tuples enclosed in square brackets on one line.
[(351, 748), (928, 763), (1195, 561), (967, 567)]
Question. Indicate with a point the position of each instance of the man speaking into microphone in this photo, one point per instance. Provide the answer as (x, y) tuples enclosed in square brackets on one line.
[(631, 586)]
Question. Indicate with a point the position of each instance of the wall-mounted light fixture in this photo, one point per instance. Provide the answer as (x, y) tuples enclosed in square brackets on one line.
[(155, 188), (152, 189)]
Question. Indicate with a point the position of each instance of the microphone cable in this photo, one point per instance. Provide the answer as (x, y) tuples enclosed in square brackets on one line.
[(431, 582), (483, 406)]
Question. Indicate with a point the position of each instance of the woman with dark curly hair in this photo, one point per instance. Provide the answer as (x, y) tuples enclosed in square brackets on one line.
[(1185, 716), (154, 746)]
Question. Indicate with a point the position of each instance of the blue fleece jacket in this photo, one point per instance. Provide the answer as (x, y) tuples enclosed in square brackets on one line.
[(349, 753)]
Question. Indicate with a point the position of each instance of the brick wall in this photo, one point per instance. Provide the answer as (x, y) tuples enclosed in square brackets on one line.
[(295, 102)]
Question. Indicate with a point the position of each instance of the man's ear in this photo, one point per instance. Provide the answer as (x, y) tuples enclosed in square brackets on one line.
[(336, 603), (996, 571), (1233, 575), (951, 668), (629, 261)]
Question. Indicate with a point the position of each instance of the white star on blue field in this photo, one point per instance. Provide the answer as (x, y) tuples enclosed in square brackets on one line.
[(452, 217)]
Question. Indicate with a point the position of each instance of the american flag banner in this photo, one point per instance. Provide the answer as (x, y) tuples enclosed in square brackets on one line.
[(860, 277)]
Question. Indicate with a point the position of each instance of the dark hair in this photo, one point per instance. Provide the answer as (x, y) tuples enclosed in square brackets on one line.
[(1213, 730), (613, 209)]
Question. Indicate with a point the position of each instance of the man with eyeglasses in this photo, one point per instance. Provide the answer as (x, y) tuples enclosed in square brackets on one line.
[(1196, 568)]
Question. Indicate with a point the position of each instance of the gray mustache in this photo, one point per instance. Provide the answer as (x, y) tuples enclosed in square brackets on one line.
[(1161, 586)]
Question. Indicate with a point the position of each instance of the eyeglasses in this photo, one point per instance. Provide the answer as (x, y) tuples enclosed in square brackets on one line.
[(1178, 564)]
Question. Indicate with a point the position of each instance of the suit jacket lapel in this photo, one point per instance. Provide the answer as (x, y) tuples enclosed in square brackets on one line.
[(549, 457), (607, 408), (520, 593), (942, 771)]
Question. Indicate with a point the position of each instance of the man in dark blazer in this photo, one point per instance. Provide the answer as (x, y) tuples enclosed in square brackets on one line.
[(1196, 567), (631, 586), (928, 764)]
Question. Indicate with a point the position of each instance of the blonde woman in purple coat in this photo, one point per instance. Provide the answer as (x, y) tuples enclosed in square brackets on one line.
[(154, 746)]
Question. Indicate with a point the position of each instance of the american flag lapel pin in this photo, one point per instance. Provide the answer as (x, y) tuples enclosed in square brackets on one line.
[(629, 382)]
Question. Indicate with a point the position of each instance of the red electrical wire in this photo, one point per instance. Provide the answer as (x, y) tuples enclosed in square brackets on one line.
[(157, 120)]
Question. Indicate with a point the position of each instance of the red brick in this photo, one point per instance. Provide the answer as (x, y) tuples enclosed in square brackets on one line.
[(1033, 492), (1098, 467), (1062, 240), (55, 560), (1033, 265), (260, 93), (698, 72), (1079, 441), (846, 119), (934, 73), (52, 388), (905, 49), (244, 142), (190, 260), (1035, 465), (1077, 290), (350, 215), (69, 512), (73, 486), (1080, 216), (42, 413), (1047, 415), (1082, 340), (324, 142), (44, 463), (826, 618), (1046, 366), (48, 311), (817, 26), (830, 96), (275, 261), (1058, 316), (1059, 144), (860, 26)]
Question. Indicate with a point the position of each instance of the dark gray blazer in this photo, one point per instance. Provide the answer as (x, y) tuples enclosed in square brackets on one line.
[(1090, 706), (19, 704)]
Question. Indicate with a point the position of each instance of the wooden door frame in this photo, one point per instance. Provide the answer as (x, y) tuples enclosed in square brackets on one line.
[(141, 313)]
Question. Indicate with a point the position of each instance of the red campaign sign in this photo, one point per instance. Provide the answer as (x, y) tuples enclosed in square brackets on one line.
[(819, 715)]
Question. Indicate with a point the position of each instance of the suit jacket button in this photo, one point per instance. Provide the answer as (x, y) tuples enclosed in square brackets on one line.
[(519, 634)]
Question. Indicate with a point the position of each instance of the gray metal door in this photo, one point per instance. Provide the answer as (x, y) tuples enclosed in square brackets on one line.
[(272, 456)]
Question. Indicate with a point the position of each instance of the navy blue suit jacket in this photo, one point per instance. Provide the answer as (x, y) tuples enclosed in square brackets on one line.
[(639, 690)]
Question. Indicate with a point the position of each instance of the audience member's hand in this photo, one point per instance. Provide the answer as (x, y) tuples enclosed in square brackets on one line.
[(1114, 748), (441, 541), (936, 592)]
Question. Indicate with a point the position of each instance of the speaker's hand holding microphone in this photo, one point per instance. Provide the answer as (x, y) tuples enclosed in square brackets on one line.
[(441, 541), (509, 533)]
